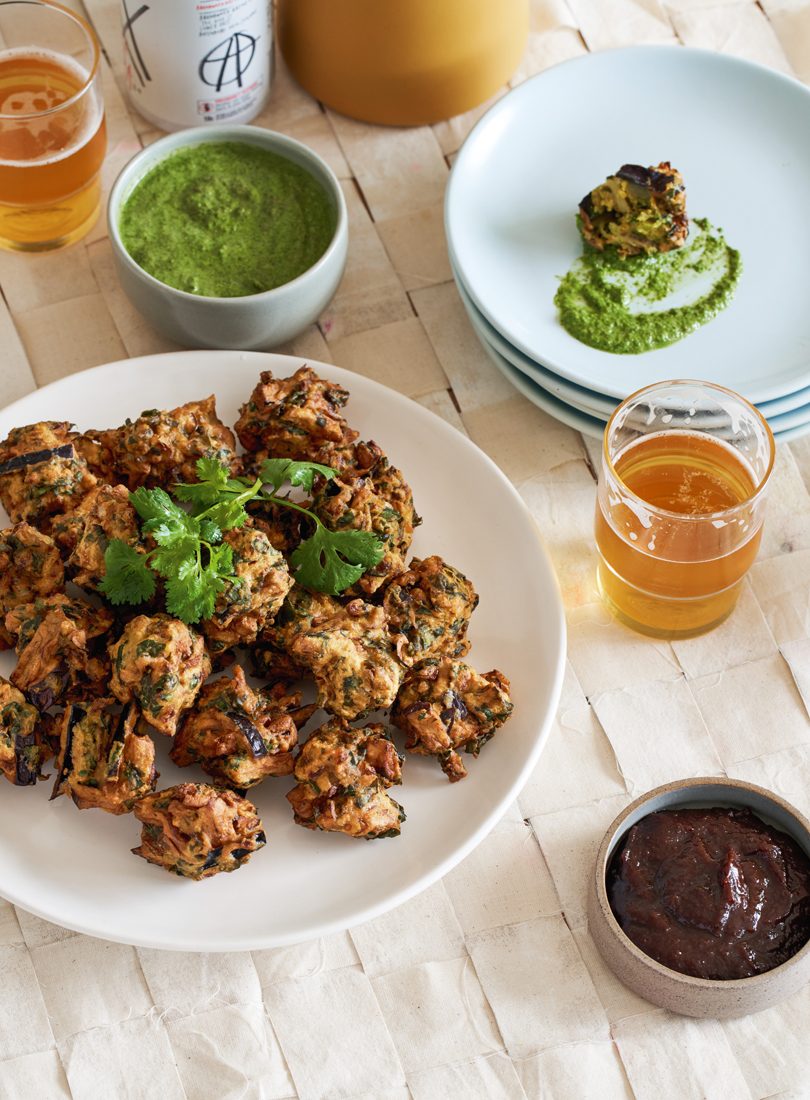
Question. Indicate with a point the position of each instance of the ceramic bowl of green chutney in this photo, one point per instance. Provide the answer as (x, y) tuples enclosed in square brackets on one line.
[(228, 236)]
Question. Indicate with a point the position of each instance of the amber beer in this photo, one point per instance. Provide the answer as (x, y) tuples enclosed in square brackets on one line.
[(680, 509), (52, 144)]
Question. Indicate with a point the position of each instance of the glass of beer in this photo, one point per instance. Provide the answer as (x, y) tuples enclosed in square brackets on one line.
[(52, 132), (680, 504)]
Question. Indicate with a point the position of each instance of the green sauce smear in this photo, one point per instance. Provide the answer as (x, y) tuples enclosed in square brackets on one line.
[(606, 301), (225, 219)]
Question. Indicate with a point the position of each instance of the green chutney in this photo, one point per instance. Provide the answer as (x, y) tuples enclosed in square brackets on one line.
[(608, 301), (225, 219)]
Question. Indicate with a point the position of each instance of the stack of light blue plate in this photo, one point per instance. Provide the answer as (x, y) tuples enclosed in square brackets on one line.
[(737, 133)]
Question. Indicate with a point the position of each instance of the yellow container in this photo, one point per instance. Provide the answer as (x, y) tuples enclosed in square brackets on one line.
[(402, 62)]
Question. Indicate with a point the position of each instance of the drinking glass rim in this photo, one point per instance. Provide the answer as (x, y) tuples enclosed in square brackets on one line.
[(91, 75), (685, 516)]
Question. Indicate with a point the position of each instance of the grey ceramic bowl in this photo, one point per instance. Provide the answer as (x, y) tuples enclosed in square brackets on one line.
[(657, 983), (253, 321)]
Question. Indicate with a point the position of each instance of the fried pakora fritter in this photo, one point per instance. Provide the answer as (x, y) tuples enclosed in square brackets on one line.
[(252, 600), (297, 417), (444, 705), (638, 211), (271, 655), (429, 608), (239, 736), (59, 655), (161, 448), (343, 774), (351, 657), (104, 761), (30, 567), (161, 664), (372, 495), (103, 514), (23, 747), (283, 526), (196, 831), (41, 473)]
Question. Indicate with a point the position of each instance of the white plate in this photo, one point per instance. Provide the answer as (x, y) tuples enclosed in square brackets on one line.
[(75, 868), (738, 133)]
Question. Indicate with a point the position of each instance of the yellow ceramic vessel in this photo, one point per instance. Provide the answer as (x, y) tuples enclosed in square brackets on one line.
[(402, 62)]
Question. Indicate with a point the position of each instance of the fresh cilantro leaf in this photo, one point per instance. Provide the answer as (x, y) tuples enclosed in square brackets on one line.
[(170, 559), (192, 588), (275, 471), (127, 577), (155, 506), (211, 469), (331, 561), (226, 515), (210, 531)]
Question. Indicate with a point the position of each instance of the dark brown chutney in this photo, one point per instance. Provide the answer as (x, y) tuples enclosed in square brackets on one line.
[(715, 893)]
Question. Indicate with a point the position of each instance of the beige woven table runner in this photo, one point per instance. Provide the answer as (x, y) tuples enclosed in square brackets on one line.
[(488, 984)]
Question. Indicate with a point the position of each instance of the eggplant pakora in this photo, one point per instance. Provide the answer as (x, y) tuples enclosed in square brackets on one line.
[(261, 581), (351, 658), (23, 748), (343, 775), (93, 681), (638, 211), (239, 736), (161, 664), (444, 705), (30, 568), (104, 761), (297, 417), (371, 495), (196, 831), (59, 646), (42, 475), (103, 514), (428, 609)]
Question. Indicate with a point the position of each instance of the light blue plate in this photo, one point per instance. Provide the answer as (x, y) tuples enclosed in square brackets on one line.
[(515, 185), (597, 404), (784, 428)]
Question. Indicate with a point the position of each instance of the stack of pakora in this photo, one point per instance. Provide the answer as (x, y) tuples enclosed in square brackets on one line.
[(94, 684)]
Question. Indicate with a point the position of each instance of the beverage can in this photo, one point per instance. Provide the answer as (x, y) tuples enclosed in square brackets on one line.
[(192, 62)]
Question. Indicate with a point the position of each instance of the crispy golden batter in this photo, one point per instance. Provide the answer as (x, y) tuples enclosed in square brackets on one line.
[(245, 606), (429, 608), (372, 495), (638, 211), (23, 748), (96, 448), (196, 831), (297, 417), (161, 664), (238, 736), (271, 655), (41, 473), (351, 657), (444, 705), (30, 566), (58, 657), (104, 514), (160, 448), (103, 762), (342, 778), (281, 525)]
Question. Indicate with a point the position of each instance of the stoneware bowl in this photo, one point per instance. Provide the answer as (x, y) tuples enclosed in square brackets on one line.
[(657, 983), (253, 321)]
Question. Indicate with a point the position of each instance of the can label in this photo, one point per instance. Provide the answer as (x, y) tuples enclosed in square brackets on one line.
[(190, 62)]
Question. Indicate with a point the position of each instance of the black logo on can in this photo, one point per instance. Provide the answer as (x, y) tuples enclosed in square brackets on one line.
[(228, 62)]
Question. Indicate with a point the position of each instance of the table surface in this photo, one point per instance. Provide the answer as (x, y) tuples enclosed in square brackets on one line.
[(488, 984)]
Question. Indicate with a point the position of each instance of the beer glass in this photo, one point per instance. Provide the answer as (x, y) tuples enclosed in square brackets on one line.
[(680, 505), (52, 131)]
